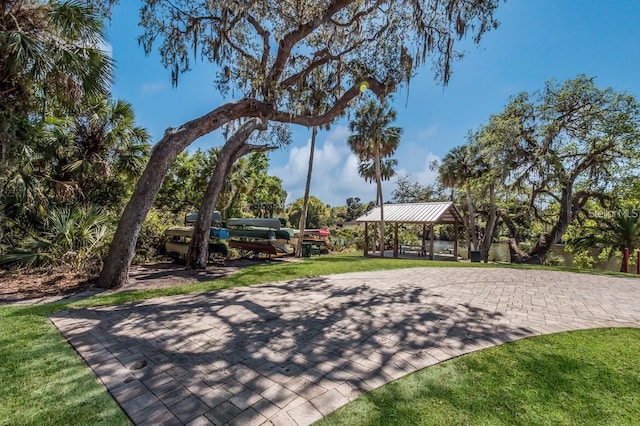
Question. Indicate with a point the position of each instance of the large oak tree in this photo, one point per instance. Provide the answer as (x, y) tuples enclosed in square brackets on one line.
[(266, 51), (553, 151)]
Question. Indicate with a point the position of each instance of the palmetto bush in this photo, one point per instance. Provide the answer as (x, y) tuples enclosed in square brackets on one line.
[(73, 237)]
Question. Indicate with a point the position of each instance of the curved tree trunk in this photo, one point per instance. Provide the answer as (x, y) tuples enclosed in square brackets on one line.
[(198, 253), (545, 243), (379, 190), (472, 220), (485, 244), (233, 149), (515, 254), (115, 271), (305, 202)]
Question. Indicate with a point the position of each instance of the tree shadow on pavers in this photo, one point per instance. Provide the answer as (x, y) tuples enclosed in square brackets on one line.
[(161, 270), (254, 338)]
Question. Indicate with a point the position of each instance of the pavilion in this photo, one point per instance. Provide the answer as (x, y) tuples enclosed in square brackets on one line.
[(425, 214)]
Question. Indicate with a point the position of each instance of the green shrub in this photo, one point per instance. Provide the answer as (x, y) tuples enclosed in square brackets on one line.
[(73, 236), (152, 239), (583, 259), (554, 259), (347, 239)]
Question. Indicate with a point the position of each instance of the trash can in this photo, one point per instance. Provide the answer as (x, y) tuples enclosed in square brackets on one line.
[(306, 249), (475, 255)]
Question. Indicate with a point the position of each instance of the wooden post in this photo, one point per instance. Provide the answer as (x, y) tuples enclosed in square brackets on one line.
[(455, 241), (366, 239), (638, 263), (423, 243), (625, 260), (431, 237), (395, 240)]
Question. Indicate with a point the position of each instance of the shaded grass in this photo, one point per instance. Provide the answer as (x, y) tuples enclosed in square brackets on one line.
[(43, 381), (274, 271), (589, 377)]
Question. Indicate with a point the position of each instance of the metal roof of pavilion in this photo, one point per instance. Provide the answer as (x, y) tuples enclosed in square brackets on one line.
[(435, 213)]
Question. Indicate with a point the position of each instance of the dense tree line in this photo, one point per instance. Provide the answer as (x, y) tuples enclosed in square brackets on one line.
[(547, 165), (70, 154)]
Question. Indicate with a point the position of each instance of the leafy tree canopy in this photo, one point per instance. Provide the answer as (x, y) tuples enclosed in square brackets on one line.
[(317, 212), (554, 151), (413, 192), (50, 57), (268, 49), (268, 53)]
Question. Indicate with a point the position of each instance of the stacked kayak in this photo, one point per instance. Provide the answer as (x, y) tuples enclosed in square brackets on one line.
[(178, 237), (252, 236), (255, 236), (258, 232)]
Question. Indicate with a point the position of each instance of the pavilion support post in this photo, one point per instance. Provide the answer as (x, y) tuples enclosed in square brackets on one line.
[(423, 251), (395, 240), (431, 236), (366, 239), (455, 241)]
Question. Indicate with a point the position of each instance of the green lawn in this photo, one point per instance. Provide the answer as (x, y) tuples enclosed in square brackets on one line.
[(589, 377), (43, 381)]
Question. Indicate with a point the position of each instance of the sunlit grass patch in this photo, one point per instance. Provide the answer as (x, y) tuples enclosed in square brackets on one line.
[(589, 377)]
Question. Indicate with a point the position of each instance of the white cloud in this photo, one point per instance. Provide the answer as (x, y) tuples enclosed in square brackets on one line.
[(335, 171), (423, 175), (426, 176)]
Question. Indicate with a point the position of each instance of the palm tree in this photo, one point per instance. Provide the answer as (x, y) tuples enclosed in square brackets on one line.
[(50, 53), (243, 178), (458, 169), (612, 233), (54, 47), (373, 139), (101, 143), (454, 172), (315, 102), (367, 169)]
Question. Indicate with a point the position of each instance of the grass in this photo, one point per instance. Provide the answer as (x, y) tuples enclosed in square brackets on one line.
[(589, 377), (43, 381)]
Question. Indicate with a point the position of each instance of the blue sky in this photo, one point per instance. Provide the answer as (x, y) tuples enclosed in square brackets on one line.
[(537, 40)]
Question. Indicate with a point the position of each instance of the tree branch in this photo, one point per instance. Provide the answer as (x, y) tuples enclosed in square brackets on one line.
[(357, 16), (341, 104), (290, 39), (260, 148), (590, 159), (265, 40), (325, 56)]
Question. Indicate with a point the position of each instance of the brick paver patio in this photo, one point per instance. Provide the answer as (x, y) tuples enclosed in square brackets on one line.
[(290, 353)]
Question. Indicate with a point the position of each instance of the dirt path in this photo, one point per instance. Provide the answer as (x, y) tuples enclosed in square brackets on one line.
[(49, 285)]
